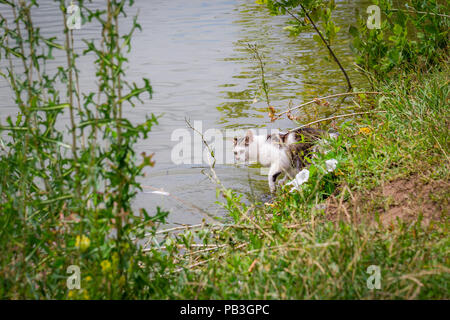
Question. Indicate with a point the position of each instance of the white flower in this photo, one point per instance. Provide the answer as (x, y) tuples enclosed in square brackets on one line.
[(331, 165), (299, 179)]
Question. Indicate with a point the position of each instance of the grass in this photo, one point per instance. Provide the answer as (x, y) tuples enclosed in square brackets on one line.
[(54, 212), (294, 249)]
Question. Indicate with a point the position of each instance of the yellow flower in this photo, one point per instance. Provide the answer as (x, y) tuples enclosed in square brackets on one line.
[(82, 242), (86, 295), (106, 265), (71, 294), (365, 130), (88, 278)]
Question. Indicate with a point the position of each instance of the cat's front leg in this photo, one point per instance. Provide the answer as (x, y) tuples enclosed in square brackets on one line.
[(274, 172), (283, 180), (289, 174)]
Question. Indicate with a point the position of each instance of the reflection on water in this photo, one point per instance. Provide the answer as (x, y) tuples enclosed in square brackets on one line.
[(194, 52)]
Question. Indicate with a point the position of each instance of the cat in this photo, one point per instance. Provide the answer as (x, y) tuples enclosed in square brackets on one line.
[(281, 152)]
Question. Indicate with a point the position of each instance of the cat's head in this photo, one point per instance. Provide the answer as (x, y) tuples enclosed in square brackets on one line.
[(241, 147)]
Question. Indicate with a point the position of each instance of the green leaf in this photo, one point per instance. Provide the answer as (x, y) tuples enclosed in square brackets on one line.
[(53, 44), (61, 144), (50, 108), (398, 29), (317, 39), (14, 128), (7, 2)]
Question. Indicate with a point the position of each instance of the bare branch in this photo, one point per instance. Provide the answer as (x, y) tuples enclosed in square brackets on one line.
[(327, 97), (337, 117)]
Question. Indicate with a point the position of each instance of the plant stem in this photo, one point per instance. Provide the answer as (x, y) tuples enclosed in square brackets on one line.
[(349, 86), (254, 49), (327, 97), (336, 117)]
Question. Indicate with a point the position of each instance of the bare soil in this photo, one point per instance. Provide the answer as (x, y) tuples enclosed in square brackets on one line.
[(403, 199)]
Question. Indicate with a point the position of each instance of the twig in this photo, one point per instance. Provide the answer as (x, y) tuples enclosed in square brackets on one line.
[(214, 178), (257, 225), (349, 85), (182, 246), (211, 152), (213, 227), (216, 227), (421, 12), (442, 149), (327, 97), (181, 228), (254, 49), (206, 250), (336, 117), (206, 261)]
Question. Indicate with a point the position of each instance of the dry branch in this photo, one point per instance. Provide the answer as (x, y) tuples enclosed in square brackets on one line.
[(327, 97), (337, 117)]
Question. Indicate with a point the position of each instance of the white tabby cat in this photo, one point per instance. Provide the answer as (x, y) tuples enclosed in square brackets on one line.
[(281, 152)]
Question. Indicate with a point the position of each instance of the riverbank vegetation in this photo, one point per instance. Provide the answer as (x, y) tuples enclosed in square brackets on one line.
[(385, 204), (375, 196), (66, 191)]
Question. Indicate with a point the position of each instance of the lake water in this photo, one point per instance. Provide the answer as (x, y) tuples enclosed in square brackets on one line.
[(194, 53)]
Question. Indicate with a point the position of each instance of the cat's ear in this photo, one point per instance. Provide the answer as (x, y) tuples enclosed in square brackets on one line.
[(249, 137), (235, 141)]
